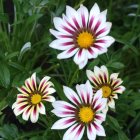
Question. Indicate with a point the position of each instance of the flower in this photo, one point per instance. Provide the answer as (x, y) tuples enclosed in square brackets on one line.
[(110, 85), (29, 100), (84, 112), (81, 33)]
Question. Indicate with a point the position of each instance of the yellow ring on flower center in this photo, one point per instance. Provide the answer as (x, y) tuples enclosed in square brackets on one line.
[(36, 98), (85, 40), (86, 114), (106, 91)]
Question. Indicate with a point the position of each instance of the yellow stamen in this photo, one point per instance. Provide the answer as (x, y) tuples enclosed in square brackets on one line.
[(86, 114), (85, 40), (36, 98), (106, 91)]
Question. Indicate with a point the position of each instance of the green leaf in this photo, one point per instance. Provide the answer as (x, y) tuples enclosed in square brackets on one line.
[(4, 75), (25, 48), (137, 137)]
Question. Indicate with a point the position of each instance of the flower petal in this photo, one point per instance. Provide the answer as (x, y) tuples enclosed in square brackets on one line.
[(119, 89), (111, 103), (26, 113), (49, 98), (75, 132), (68, 53), (41, 108), (63, 106), (64, 123), (100, 117), (91, 132), (80, 56), (62, 44), (71, 95), (92, 77), (94, 12), (99, 129), (83, 14), (34, 114)]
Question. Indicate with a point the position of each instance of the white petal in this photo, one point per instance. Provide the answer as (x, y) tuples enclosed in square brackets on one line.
[(34, 114), (33, 81), (43, 83), (83, 63), (111, 103), (19, 108), (71, 95), (63, 106), (97, 96), (104, 30), (94, 12), (100, 117), (105, 41), (114, 75), (67, 53), (62, 113), (83, 14), (99, 129), (105, 74), (81, 90), (26, 113), (72, 15), (50, 91), (41, 108), (75, 132), (92, 53), (105, 110), (100, 104), (91, 132), (92, 77), (49, 99), (119, 89), (60, 24), (63, 123), (80, 56), (62, 44)]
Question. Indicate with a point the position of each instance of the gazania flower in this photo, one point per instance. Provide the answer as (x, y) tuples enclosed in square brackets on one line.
[(29, 100), (81, 33), (84, 112), (110, 84)]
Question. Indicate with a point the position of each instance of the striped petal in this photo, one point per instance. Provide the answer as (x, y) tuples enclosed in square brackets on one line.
[(68, 53), (92, 77), (27, 112), (71, 95), (83, 14), (99, 129), (91, 132), (34, 114), (64, 123), (75, 132), (41, 108)]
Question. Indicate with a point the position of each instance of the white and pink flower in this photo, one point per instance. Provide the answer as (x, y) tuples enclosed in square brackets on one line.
[(109, 84), (84, 112), (81, 33), (29, 100)]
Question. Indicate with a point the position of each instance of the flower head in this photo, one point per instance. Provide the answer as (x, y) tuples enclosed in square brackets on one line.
[(29, 100), (110, 84), (82, 33), (84, 112)]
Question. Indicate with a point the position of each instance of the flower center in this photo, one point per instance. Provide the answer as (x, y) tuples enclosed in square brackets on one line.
[(86, 114), (36, 98), (85, 40), (106, 91)]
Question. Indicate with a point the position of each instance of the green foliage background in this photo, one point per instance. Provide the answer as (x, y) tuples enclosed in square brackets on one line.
[(31, 23)]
